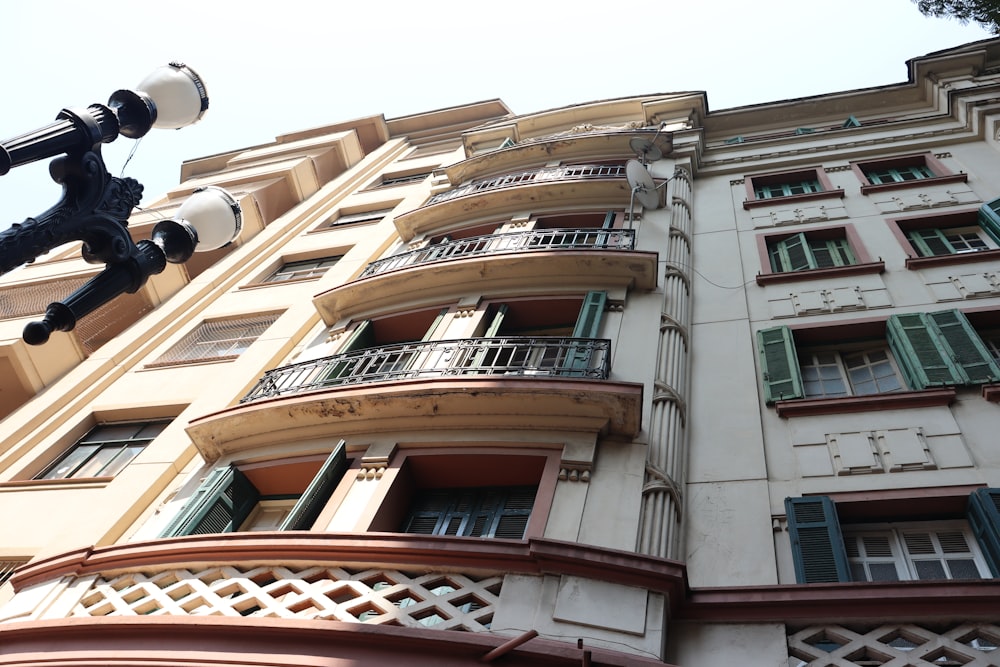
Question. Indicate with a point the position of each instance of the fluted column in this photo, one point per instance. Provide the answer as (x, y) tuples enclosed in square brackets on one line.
[(662, 512)]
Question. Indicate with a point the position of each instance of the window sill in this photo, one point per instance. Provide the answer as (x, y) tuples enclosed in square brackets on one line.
[(791, 199), (76, 482), (947, 260), (804, 407), (818, 274), (915, 183), (991, 392), (191, 362)]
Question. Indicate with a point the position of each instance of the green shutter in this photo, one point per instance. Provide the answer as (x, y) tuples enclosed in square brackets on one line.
[(966, 348), (514, 511), (930, 242), (363, 336), (984, 518), (428, 512), (918, 349), (989, 219), (311, 503), (778, 365), (793, 254), (434, 325), (588, 323), (498, 315), (223, 502), (817, 544)]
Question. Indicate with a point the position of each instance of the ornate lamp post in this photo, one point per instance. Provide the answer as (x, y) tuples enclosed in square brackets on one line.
[(95, 206)]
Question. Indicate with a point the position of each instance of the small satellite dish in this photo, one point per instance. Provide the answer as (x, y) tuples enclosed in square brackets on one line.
[(645, 149), (643, 187)]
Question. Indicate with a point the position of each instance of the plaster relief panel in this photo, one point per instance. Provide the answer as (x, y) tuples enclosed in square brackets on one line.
[(890, 450), (601, 604), (793, 216), (904, 449), (853, 453), (965, 286), (896, 201), (837, 299)]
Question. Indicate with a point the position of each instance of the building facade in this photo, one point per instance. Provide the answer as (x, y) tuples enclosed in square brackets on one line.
[(630, 382)]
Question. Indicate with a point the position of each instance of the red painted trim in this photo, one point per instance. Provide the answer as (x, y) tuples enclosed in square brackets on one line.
[(213, 641), (533, 556), (991, 392), (819, 274), (802, 407)]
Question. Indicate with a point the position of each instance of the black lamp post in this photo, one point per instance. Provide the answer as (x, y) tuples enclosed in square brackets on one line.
[(95, 206)]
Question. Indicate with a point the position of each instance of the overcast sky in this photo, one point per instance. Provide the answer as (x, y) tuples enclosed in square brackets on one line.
[(277, 67)]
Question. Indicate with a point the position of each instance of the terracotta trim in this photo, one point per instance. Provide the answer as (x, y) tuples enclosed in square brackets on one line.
[(916, 183), (820, 274), (991, 392), (859, 602), (830, 406), (956, 258), (462, 553), (155, 641)]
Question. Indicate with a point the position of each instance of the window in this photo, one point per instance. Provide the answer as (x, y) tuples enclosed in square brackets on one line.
[(798, 185), (233, 499), (950, 238), (302, 270), (801, 251), (217, 340), (104, 451), (358, 218), (825, 550), (903, 171), (928, 350), (391, 181), (471, 512)]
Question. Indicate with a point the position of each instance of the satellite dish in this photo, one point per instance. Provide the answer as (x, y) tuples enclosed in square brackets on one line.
[(643, 187), (645, 149)]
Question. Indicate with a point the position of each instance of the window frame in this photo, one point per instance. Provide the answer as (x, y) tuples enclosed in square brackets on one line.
[(986, 218), (939, 172), (311, 275), (818, 174), (355, 218), (863, 263), (175, 356), (122, 444)]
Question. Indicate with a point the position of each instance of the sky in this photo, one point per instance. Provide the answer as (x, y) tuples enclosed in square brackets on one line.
[(277, 67)]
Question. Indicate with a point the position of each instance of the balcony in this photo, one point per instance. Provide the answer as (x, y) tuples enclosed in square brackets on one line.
[(566, 185), (493, 244), (516, 356)]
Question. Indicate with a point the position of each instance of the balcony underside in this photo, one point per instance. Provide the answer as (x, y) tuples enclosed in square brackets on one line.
[(595, 145), (567, 193), (490, 274), (517, 403)]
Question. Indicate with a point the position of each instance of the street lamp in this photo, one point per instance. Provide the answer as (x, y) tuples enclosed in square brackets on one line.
[(95, 206)]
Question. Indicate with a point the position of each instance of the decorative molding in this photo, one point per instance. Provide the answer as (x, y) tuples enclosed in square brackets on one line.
[(575, 471), (832, 170)]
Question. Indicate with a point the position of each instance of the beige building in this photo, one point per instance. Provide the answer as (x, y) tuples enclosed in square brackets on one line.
[(630, 382)]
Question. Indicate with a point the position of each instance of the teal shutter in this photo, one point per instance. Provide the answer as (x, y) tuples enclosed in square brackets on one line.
[(793, 254), (588, 323), (817, 543), (513, 512), (434, 324), (989, 219), (778, 365), (362, 337), (918, 350), (311, 503), (494, 327), (501, 512), (930, 242), (984, 518), (220, 505), (966, 348)]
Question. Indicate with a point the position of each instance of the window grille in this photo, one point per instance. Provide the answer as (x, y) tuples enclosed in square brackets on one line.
[(7, 568), (217, 340), (32, 299)]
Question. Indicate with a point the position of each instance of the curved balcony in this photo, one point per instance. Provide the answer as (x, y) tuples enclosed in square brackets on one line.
[(373, 597), (567, 185), (557, 384), (513, 356), (493, 244)]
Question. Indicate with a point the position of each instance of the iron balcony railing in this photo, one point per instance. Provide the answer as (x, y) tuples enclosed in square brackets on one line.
[(540, 175), (507, 356), (494, 244)]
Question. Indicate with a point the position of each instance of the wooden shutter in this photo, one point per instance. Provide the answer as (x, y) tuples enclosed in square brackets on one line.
[(362, 337), (984, 518), (512, 516), (428, 512), (588, 323), (930, 242), (989, 219), (311, 502), (223, 501), (779, 365), (967, 350), (794, 254), (919, 352), (817, 545), (434, 325), (472, 512)]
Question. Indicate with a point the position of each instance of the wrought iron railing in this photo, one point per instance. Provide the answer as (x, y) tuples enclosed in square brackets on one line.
[(507, 356), (540, 175), (494, 244)]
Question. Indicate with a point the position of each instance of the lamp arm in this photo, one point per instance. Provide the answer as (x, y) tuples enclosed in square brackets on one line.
[(94, 208)]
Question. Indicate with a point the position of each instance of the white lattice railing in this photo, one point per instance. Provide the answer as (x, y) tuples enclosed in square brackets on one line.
[(896, 645), (386, 597)]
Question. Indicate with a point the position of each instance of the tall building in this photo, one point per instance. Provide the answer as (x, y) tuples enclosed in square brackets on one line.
[(630, 382)]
